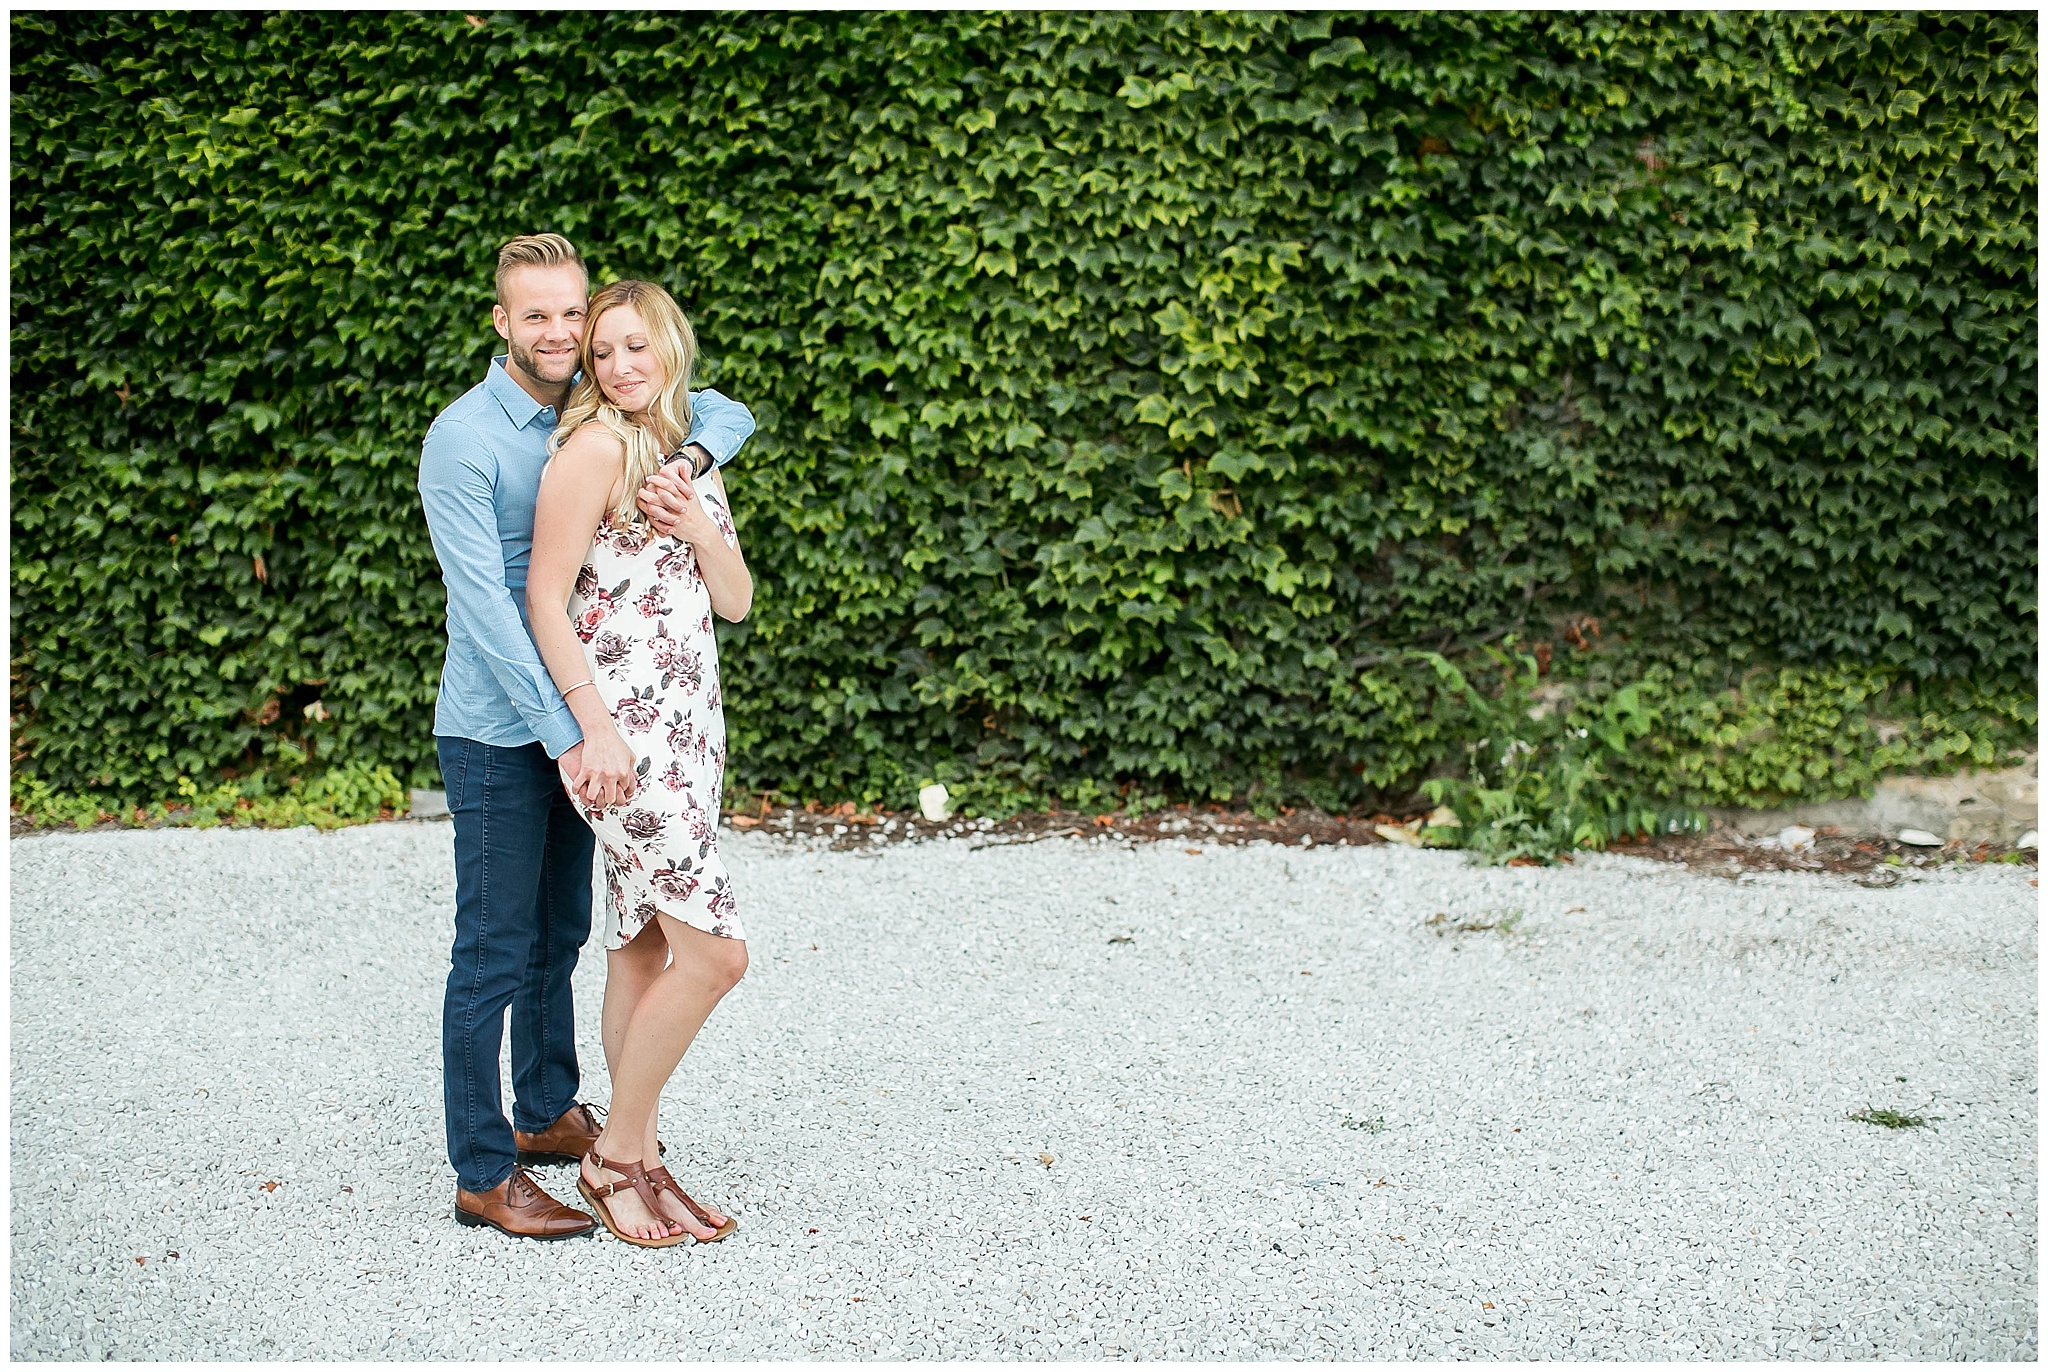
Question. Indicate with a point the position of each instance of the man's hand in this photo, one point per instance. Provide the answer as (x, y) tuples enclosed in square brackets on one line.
[(608, 779), (672, 508), (668, 492)]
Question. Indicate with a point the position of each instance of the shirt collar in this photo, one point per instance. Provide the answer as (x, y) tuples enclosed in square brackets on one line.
[(519, 407)]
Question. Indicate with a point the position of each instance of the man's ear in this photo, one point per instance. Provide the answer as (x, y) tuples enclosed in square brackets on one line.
[(502, 322)]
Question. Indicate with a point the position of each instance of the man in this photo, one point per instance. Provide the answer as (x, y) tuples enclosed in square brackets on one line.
[(522, 854)]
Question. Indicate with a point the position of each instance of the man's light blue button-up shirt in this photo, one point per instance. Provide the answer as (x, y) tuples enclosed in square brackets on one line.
[(479, 478)]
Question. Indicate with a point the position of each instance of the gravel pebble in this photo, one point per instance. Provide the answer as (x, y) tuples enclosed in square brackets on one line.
[(1358, 1103)]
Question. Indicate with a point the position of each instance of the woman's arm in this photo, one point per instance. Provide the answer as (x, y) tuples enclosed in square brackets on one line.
[(717, 544), (575, 491), (723, 566)]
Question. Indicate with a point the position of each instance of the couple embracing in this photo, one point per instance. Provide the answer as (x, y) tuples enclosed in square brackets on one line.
[(586, 542)]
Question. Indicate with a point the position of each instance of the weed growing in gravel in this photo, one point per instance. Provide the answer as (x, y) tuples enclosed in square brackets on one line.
[(1544, 781), (1892, 1119), (1486, 921), (1376, 1125)]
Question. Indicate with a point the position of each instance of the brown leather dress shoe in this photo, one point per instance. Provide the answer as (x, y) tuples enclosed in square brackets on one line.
[(517, 1206), (566, 1140)]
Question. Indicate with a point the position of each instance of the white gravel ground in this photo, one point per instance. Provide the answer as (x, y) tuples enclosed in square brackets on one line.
[(1288, 1118)]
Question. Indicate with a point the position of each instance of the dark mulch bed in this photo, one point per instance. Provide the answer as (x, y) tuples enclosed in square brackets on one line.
[(1720, 852), (1872, 861)]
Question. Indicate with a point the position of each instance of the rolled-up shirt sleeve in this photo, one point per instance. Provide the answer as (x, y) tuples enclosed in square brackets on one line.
[(719, 425), (455, 489)]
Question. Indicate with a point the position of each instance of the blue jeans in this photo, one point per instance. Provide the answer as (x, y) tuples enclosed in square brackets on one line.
[(522, 914)]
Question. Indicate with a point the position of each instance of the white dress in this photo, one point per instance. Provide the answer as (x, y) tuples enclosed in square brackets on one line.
[(644, 615)]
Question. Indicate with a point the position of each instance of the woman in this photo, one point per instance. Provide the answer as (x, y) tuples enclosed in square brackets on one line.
[(623, 621)]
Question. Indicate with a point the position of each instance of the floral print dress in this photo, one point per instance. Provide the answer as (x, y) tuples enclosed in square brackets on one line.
[(644, 615)]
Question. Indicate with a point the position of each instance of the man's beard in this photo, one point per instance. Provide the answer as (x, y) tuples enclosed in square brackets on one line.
[(526, 361)]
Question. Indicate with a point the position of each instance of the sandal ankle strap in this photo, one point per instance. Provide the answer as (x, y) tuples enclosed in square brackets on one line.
[(635, 1177)]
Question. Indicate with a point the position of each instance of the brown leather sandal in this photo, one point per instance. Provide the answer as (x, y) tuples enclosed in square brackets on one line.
[(649, 1193), (664, 1182)]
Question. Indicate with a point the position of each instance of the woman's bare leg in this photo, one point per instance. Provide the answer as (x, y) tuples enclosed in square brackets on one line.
[(628, 972), (663, 1022)]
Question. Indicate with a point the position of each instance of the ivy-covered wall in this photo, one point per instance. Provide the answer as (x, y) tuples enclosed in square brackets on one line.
[(1137, 392)]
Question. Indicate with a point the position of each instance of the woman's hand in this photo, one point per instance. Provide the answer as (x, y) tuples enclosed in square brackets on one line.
[(608, 777), (670, 502)]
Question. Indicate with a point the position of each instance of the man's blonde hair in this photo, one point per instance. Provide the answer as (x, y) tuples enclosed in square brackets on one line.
[(537, 250)]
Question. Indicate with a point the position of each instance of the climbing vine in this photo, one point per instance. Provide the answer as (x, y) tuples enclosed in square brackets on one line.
[(1138, 392)]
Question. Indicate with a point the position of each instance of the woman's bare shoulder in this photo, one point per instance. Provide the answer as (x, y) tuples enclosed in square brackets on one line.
[(590, 460), (592, 442), (594, 435)]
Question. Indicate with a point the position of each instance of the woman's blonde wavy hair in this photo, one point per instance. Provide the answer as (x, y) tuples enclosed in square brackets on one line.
[(659, 429)]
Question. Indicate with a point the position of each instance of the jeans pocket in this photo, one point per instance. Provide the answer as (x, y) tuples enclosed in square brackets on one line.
[(457, 756)]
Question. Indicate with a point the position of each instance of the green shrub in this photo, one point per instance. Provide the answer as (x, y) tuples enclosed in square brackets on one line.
[(1578, 762), (1541, 781), (345, 795), (1823, 734), (1137, 391), (33, 801)]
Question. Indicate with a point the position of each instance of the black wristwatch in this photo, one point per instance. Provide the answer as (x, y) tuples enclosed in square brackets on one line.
[(697, 473)]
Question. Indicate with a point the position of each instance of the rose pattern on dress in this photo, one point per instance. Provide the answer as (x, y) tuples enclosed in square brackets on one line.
[(627, 539), (657, 669), (597, 609), (722, 517), (682, 735), (687, 670), (637, 714), (654, 603), (674, 881), (676, 560), (644, 825)]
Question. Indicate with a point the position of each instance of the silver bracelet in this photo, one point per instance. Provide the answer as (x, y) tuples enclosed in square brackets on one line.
[(578, 686)]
